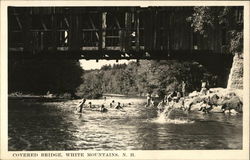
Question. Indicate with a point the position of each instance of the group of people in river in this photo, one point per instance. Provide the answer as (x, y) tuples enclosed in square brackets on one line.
[(167, 102), (205, 101), (179, 100), (100, 108), (169, 99), (176, 99)]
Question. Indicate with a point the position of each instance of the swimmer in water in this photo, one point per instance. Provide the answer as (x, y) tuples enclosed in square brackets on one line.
[(90, 105), (161, 106), (103, 109), (81, 105), (112, 104), (118, 106)]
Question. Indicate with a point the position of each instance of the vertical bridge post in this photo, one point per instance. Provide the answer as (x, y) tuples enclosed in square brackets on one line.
[(26, 31), (54, 29), (137, 30), (128, 19), (74, 43), (104, 27)]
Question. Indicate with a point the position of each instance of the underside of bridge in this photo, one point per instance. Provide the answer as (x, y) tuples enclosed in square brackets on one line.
[(110, 33)]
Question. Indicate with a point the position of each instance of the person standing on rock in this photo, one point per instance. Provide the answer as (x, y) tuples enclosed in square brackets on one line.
[(183, 89), (148, 99), (203, 87)]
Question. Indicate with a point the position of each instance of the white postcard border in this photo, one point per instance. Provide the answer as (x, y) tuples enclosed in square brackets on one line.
[(138, 154)]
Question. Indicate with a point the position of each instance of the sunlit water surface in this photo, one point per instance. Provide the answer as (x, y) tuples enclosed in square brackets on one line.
[(57, 126)]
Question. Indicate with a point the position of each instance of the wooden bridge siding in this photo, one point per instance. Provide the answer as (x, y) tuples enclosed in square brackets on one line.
[(171, 31), (74, 30), (158, 29), (179, 36), (152, 30), (212, 42)]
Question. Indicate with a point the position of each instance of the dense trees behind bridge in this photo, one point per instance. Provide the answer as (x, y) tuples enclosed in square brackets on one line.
[(157, 77)]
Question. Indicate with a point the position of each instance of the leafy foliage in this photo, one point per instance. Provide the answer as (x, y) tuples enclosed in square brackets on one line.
[(39, 76), (157, 77), (230, 18)]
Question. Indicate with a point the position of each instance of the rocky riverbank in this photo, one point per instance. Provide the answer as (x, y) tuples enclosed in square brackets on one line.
[(215, 100)]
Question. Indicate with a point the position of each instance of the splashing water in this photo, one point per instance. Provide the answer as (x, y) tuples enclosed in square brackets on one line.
[(161, 118), (164, 117)]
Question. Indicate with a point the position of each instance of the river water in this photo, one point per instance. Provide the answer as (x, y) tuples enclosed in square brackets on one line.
[(58, 126)]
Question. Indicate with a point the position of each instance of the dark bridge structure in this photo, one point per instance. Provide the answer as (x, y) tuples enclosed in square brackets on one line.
[(111, 33)]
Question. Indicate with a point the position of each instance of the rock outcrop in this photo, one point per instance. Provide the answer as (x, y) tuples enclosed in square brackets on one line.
[(235, 80), (217, 100)]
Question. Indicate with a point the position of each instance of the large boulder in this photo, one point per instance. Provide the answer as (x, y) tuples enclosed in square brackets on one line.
[(232, 103), (224, 92), (209, 100)]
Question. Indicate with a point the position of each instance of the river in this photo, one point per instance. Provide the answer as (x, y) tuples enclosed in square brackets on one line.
[(57, 126)]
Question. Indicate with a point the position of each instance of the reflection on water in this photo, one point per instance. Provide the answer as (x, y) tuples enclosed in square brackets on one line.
[(57, 126)]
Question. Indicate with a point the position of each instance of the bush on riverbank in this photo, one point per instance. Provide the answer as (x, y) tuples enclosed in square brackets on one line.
[(38, 76)]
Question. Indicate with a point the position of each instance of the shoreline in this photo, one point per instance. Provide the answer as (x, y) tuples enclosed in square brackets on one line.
[(14, 96)]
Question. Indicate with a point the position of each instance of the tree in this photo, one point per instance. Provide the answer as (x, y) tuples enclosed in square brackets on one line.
[(91, 86), (230, 18), (157, 77), (41, 75)]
